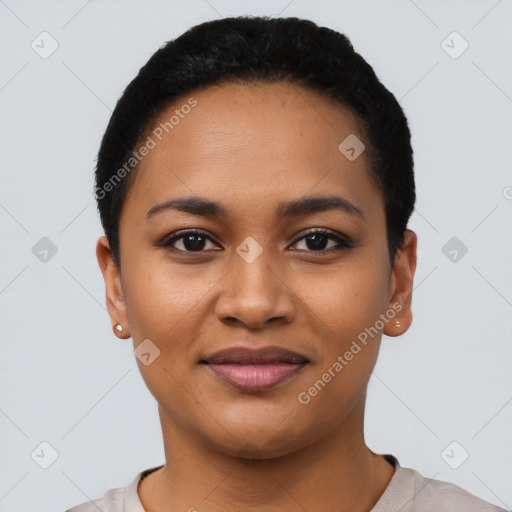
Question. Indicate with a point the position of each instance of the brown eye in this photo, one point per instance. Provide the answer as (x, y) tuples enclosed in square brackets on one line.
[(317, 241), (190, 241)]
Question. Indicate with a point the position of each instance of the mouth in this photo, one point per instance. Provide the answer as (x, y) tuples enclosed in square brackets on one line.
[(255, 370)]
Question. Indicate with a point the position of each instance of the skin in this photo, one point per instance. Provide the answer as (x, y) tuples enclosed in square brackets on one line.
[(250, 147)]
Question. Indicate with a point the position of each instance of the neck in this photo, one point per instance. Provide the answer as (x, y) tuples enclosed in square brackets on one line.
[(337, 472)]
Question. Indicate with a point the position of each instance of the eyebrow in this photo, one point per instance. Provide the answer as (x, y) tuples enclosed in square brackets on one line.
[(295, 208)]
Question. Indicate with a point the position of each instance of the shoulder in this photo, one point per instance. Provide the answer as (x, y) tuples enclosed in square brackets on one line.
[(440, 496), (112, 501), (410, 491), (121, 499), (89, 506)]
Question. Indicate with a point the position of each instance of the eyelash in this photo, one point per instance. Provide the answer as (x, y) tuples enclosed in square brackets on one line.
[(342, 243)]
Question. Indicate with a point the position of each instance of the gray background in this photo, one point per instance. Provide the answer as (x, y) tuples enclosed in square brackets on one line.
[(68, 381)]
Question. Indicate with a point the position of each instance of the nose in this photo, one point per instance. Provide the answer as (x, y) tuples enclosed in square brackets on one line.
[(254, 294)]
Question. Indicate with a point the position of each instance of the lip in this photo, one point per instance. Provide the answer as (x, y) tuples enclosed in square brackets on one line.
[(255, 369)]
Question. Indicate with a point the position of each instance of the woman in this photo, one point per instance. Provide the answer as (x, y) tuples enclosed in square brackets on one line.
[(255, 183)]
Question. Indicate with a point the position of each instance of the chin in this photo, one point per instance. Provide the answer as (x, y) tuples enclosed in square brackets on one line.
[(256, 449), (261, 439)]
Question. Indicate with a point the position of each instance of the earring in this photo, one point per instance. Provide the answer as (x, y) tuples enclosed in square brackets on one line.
[(119, 327), (397, 323)]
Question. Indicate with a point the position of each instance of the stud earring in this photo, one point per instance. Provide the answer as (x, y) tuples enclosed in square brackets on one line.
[(119, 327), (397, 323)]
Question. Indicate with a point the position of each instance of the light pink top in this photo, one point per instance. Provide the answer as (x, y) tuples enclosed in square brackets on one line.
[(408, 491)]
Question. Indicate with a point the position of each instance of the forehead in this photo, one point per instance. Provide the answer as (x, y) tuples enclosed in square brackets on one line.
[(258, 144)]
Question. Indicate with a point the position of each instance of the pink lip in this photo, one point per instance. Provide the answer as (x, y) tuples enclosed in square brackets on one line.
[(256, 377), (255, 370)]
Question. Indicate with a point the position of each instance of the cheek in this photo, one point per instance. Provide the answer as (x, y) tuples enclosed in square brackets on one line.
[(163, 301), (164, 305), (348, 308), (345, 315), (346, 302)]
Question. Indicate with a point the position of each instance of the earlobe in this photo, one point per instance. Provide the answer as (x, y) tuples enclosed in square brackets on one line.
[(400, 324), (114, 293), (401, 286), (120, 332)]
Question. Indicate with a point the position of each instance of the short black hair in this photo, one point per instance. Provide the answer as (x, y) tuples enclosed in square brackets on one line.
[(247, 49)]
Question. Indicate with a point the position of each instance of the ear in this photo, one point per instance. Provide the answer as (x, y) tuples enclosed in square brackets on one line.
[(400, 286), (114, 294)]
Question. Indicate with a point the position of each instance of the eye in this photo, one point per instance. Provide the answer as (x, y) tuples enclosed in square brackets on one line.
[(190, 241), (318, 240)]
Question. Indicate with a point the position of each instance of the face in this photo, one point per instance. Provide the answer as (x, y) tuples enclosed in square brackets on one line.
[(196, 279)]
